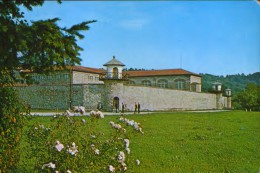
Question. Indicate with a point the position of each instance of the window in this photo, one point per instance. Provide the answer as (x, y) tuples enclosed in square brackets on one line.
[(90, 77), (162, 83), (66, 76), (96, 78), (147, 83), (131, 82), (180, 84)]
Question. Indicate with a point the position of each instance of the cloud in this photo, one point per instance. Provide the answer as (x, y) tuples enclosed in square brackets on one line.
[(134, 24)]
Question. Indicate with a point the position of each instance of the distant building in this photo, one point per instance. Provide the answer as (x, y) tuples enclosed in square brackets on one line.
[(169, 89)]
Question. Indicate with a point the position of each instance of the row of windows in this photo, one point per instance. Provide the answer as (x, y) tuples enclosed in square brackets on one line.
[(179, 83), (50, 77), (91, 78)]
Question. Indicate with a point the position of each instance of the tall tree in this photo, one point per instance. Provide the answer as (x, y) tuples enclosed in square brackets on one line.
[(39, 46)]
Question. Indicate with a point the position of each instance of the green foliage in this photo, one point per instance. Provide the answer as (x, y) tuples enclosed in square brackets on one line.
[(249, 98), (77, 144), (11, 121), (236, 82), (40, 46), (184, 142)]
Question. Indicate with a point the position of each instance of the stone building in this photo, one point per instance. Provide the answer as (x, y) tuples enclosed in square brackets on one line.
[(170, 89)]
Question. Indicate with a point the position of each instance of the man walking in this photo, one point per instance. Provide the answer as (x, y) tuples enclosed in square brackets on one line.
[(138, 107)]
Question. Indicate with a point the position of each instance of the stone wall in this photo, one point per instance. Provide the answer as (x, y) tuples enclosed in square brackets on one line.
[(165, 99), (51, 96), (88, 95)]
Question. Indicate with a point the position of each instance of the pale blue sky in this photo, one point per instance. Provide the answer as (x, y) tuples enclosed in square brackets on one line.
[(216, 37)]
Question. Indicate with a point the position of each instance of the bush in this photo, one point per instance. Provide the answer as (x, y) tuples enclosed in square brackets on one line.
[(74, 144), (11, 120)]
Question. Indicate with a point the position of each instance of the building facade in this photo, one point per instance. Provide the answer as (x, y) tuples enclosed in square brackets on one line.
[(170, 89)]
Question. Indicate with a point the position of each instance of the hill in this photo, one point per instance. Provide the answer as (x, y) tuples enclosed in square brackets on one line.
[(235, 82)]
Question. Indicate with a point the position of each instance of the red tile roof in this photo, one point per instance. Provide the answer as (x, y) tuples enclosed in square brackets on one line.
[(166, 72), (88, 69)]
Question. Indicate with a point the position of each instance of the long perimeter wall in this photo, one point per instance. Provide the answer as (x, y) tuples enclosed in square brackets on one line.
[(166, 99)]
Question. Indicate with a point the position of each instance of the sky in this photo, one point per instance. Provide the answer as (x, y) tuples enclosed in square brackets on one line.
[(215, 37)]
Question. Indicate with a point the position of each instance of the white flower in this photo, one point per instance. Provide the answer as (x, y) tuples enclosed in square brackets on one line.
[(127, 142), (111, 168), (59, 146), (128, 150), (121, 157), (68, 171), (83, 120), (56, 171), (73, 149), (100, 114), (35, 128), (97, 151), (92, 113), (124, 166), (137, 162), (124, 130), (49, 165)]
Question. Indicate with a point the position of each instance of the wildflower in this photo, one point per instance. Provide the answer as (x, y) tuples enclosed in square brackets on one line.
[(127, 142), (124, 130), (100, 114), (111, 168), (127, 150), (121, 119), (73, 149), (121, 157), (94, 149), (93, 136), (137, 162), (56, 171), (49, 165), (68, 171), (59, 146), (97, 151), (83, 120), (35, 128), (124, 166)]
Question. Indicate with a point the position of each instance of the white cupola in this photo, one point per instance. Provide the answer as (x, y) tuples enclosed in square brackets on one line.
[(114, 68)]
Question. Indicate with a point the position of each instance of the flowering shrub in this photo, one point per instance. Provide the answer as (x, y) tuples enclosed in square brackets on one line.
[(73, 144)]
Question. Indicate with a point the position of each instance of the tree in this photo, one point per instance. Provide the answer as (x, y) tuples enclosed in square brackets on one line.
[(249, 98), (39, 46)]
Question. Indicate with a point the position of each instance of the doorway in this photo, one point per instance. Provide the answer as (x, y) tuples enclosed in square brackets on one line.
[(116, 104)]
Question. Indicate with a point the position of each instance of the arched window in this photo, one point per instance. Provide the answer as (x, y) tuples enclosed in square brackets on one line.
[(131, 82), (162, 83), (146, 83), (180, 84), (115, 73)]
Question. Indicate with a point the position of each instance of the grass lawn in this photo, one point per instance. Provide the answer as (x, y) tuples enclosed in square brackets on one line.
[(192, 142)]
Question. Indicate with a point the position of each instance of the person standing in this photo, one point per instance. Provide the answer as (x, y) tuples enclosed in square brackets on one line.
[(123, 108), (138, 107), (116, 106), (135, 108)]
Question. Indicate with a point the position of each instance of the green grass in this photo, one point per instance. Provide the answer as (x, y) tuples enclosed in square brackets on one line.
[(193, 142)]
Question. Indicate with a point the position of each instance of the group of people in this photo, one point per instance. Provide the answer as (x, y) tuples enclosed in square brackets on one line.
[(137, 108)]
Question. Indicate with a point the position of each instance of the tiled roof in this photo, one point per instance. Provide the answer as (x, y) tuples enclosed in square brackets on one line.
[(114, 61), (166, 72), (88, 69)]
